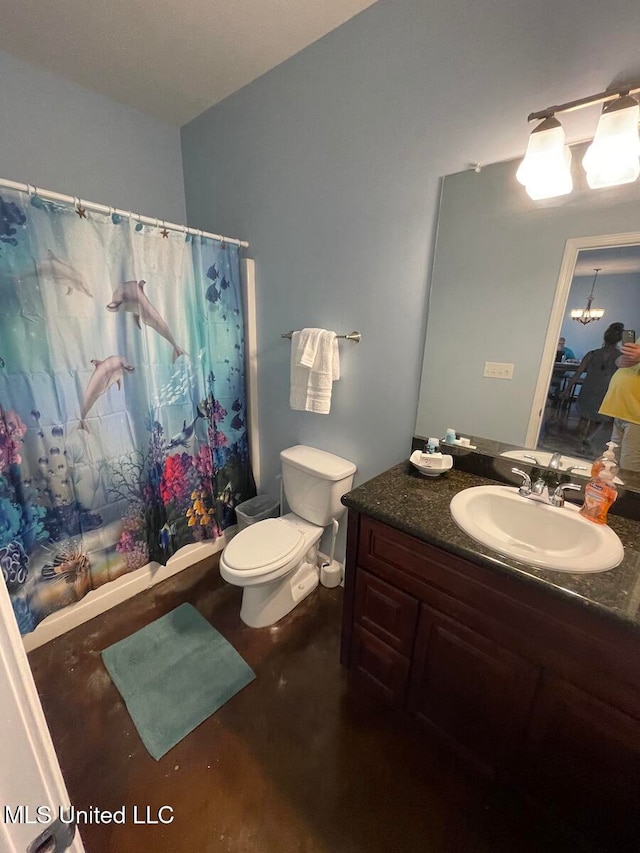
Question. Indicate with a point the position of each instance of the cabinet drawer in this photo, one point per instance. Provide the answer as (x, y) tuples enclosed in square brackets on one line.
[(380, 669), (387, 612)]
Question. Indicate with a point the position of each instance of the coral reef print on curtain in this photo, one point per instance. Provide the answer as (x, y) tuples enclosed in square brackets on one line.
[(122, 398)]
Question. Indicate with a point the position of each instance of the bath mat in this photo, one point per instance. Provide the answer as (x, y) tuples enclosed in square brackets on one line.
[(173, 674)]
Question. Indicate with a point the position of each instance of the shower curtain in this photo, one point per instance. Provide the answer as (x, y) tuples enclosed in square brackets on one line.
[(122, 398)]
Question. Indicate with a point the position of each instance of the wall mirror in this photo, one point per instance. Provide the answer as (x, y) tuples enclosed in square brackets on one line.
[(502, 277), (574, 378)]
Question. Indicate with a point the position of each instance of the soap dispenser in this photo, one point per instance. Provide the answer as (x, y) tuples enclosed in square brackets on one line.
[(600, 492), (608, 455)]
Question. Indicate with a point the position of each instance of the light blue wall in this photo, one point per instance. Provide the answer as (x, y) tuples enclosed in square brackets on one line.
[(60, 136), (330, 165)]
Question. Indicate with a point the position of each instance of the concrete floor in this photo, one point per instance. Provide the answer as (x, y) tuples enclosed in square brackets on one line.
[(294, 762)]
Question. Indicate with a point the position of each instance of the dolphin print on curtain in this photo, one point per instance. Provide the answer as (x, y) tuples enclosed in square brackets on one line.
[(122, 398)]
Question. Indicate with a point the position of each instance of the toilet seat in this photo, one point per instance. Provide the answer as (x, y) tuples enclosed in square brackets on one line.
[(263, 548)]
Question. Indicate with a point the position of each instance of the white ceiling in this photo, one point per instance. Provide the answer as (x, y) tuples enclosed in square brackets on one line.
[(615, 260), (169, 58)]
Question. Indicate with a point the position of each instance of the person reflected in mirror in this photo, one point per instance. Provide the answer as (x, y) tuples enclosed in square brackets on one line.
[(563, 352), (622, 403), (598, 366)]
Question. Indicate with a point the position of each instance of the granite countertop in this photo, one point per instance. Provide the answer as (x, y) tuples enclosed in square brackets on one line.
[(403, 498)]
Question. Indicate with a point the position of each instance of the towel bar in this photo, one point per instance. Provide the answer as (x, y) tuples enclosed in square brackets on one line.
[(356, 337)]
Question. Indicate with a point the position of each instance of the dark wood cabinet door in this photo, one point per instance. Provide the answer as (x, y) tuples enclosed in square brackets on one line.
[(582, 757), (378, 668), (387, 612), (470, 691)]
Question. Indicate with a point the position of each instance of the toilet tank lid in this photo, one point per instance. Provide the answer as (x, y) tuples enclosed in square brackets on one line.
[(318, 462)]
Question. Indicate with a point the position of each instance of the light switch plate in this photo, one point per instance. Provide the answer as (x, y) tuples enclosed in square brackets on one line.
[(498, 370)]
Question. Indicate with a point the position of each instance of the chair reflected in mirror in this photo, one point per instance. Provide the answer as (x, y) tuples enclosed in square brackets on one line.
[(572, 418)]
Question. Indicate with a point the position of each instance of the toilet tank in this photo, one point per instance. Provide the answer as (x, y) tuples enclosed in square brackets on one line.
[(314, 481)]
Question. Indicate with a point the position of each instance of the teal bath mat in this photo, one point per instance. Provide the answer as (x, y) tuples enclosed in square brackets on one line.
[(173, 674)]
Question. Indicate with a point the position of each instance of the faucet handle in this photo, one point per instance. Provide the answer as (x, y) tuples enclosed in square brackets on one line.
[(533, 459), (525, 486), (572, 468), (557, 498)]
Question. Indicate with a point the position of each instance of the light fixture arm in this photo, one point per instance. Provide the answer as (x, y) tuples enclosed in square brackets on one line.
[(589, 314), (593, 284), (599, 98)]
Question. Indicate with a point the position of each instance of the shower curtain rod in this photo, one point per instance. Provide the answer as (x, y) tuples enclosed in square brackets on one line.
[(31, 189)]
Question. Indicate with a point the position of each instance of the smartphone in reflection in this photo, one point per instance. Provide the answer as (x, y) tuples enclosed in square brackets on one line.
[(628, 336)]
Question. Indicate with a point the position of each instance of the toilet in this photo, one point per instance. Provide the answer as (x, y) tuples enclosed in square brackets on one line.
[(276, 560)]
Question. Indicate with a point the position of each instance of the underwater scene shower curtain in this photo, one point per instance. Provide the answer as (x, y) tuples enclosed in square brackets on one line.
[(122, 398)]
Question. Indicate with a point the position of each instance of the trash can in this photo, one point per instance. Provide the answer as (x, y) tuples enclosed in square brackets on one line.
[(256, 509)]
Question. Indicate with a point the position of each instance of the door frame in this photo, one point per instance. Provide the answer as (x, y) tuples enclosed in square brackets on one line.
[(573, 247), (30, 774)]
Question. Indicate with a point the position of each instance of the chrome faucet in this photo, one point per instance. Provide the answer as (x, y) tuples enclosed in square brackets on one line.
[(554, 462), (539, 490)]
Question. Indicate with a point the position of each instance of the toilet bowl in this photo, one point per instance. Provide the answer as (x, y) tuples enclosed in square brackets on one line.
[(275, 561)]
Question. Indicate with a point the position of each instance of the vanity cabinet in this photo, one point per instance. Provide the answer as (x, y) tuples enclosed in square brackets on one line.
[(532, 689)]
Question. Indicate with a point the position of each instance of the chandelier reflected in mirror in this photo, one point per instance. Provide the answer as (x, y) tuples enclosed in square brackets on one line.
[(588, 314)]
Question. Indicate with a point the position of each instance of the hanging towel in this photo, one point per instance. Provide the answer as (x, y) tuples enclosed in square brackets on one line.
[(311, 386), (307, 346)]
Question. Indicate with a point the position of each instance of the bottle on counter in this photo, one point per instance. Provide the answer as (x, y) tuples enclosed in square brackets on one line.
[(608, 455), (599, 493)]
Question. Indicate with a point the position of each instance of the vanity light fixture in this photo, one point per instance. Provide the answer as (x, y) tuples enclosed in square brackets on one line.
[(546, 168), (613, 157), (588, 314)]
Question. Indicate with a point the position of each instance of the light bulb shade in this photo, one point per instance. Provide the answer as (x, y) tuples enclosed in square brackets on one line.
[(587, 315), (613, 157), (546, 168)]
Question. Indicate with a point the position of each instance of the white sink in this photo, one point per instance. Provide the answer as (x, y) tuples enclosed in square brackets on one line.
[(536, 533)]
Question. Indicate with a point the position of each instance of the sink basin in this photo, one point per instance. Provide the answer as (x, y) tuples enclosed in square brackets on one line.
[(536, 533)]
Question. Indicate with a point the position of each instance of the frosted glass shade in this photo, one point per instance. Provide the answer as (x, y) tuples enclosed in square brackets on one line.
[(614, 155), (586, 315), (546, 168)]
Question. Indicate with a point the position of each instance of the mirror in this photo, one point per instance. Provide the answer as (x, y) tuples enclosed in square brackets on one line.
[(581, 372), (500, 265)]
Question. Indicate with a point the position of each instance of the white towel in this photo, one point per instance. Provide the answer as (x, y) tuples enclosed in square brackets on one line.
[(307, 346), (311, 386)]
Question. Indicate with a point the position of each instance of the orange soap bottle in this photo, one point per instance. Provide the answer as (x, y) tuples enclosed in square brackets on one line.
[(609, 454), (599, 493)]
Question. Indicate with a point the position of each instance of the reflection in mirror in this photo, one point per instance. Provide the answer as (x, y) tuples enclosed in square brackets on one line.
[(582, 370), (495, 297)]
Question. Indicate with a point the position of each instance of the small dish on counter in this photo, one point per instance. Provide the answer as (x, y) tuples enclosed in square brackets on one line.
[(431, 465)]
